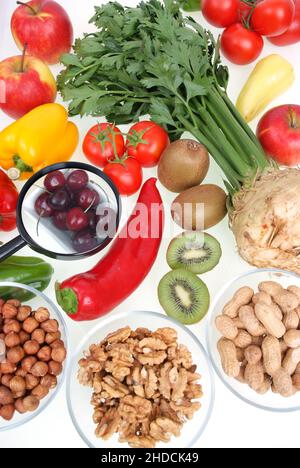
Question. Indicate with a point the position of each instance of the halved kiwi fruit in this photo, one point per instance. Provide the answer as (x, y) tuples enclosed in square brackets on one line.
[(184, 296), (195, 251)]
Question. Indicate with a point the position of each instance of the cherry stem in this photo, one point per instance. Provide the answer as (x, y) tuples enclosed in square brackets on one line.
[(28, 6), (38, 224), (91, 204), (23, 58)]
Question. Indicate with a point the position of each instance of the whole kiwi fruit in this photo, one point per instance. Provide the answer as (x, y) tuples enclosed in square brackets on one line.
[(184, 164), (200, 207)]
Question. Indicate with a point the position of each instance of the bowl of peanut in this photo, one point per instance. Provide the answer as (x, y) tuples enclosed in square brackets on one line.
[(33, 354), (253, 339), (140, 380)]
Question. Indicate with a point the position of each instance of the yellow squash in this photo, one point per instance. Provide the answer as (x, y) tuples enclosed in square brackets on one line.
[(271, 77), (42, 137)]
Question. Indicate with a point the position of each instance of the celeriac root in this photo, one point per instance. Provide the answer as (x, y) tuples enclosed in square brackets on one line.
[(266, 221)]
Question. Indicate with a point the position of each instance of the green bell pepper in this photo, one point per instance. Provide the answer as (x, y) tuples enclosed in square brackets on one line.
[(31, 271)]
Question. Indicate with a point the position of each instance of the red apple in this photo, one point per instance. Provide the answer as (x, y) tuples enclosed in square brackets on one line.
[(279, 133), (27, 83), (45, 27)]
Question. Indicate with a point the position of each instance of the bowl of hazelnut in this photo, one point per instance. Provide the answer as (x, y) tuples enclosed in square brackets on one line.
[(33, 354)]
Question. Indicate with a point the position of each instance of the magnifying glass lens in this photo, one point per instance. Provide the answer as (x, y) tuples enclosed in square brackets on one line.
[(70, 211)]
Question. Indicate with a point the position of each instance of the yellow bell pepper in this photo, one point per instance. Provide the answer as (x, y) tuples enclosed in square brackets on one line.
[(271, 77), (42, 137)]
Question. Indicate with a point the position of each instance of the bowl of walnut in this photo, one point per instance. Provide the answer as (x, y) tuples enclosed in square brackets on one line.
[(254, 339), (140, 380), (33, 353)]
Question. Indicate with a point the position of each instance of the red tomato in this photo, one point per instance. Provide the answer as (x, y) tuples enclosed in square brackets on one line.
[(240, 45), (220, 13), (273, 17), (98, 144), (127, 175), (154, 140), (292, 35)]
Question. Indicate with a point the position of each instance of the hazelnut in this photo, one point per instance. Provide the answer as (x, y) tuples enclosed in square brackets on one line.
[(39, 336), (30, 324), (17, 384), (31, 382), (14, 302), (23, 313), (44, 354), (12, 339), (24, 336), (6, 397), (55, 368), (19, 406), (27, 363), (57, 344), (9, 311), (42, 315), (15, 355), (39, 369), (58, 354), (50, 326), (51, 337), (31, 347), (40, 392), (49, 381), (21, 373), (8, 368), (7, 412), (11, 326), (31, 403), (5, 380)]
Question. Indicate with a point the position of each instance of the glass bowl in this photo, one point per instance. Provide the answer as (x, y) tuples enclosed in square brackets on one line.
[(270, 401), (78, 397), (40, 300)]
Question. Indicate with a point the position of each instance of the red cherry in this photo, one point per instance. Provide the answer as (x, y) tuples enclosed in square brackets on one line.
[(77, 219), (60, 220), (88, 198), (42, 206), (54, 181)]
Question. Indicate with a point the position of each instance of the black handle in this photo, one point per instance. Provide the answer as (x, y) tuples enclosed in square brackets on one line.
[(11, 247)]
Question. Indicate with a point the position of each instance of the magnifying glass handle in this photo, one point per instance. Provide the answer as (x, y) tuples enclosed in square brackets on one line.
[(11, 247)]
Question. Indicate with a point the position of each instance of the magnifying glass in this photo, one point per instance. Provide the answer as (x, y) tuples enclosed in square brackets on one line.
[(66, 211)]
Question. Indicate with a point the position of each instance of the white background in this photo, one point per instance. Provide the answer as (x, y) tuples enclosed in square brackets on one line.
[(233, 424)]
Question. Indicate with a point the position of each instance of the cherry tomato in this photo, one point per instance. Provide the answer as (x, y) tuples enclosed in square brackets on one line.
[(154, 140), (240, 45), (273, 17), (292, 35), (220, 13), (127, 175), (98, 145)]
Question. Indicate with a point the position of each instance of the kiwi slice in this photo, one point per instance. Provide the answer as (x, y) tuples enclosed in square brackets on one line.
[(184, 296), (195, 251)]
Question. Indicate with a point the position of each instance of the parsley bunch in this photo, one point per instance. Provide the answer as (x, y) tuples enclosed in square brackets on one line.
[(152, 60)]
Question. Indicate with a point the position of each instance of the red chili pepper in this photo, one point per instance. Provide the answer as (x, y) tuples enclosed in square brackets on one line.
[(8, 203), (89, 295)]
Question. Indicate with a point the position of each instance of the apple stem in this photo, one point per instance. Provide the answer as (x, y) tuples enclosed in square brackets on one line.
[(28, 6), (23, 58), (293, 118)]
